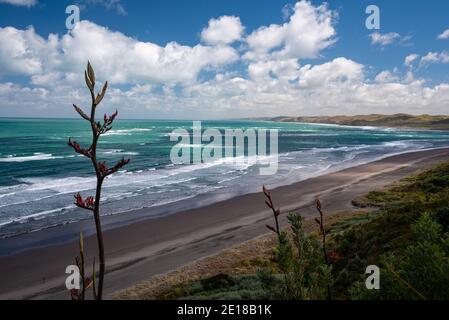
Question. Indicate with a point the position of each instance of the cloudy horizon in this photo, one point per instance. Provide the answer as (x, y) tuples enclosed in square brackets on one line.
[(311, 60)]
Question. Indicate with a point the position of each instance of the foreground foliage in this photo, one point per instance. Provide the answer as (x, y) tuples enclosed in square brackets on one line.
[(102, 171), (406, 236), (408, 239)]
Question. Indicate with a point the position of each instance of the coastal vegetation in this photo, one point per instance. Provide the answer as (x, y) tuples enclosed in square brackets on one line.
[(400, 120), (402, 229), (92, 203)]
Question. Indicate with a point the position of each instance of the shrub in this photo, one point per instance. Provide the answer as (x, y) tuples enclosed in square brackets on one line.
[(306, 273), (420, 272)]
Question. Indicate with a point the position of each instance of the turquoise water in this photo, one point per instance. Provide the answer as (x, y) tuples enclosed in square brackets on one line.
[(39, 173)]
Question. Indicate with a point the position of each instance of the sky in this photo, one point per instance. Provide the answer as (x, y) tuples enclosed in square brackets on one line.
[(225, 59)]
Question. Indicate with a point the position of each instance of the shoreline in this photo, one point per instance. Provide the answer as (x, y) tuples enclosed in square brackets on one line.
[(372, 126), (396, 120), (69, 232), (148, 247)]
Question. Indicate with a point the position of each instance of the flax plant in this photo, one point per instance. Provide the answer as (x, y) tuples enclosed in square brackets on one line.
[(92, 203)]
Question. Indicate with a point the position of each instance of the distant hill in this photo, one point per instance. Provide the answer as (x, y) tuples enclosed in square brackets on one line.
[(400, 120)]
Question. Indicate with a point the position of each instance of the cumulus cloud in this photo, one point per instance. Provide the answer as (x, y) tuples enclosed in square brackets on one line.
[(119, 58), (309, 30), (435, 57), (277, 70), (410, 59), (339, 70), (444, 35), (22, 52), (224, 30), (169, 81), (386, 76), (22, 3), (384, 39), (320, 89), (390, 38), (335, 87)]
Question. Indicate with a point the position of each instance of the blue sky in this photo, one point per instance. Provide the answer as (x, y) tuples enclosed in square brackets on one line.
[(261, 58)]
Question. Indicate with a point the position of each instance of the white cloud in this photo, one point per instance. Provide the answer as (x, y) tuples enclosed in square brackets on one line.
[(119, 58), (309, 30), (321, 89), (335, 87), (22, 3), (150, 80), (287, 10), (22, 51), (410, 59), (386, 76), (224, 30), (264, 39), (435, 57), (276, 70), (444, 35), (384, 39), (339, 70)]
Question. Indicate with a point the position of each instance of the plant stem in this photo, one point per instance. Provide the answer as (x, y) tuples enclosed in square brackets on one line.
[(95, 136), (99, 240), (323, 235), (101, 171)]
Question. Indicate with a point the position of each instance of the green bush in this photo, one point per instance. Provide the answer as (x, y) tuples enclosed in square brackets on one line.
[(221, 287), (420, 272), (442, 217), (304, 274), (407, 237)]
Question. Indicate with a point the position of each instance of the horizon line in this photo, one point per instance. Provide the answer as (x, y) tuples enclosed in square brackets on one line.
[(264, 118)]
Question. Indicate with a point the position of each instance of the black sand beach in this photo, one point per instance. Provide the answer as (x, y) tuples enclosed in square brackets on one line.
[(146, 247)]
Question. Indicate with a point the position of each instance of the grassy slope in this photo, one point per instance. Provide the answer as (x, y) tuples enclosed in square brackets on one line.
[(377, 120), (239, 261), (360, 238), (399, 206), (388, 230)]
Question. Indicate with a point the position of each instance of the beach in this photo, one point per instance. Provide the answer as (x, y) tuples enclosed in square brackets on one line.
[(40, 174), (147, 247)]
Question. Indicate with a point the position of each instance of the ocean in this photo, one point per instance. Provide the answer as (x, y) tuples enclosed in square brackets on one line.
[(39, 173)]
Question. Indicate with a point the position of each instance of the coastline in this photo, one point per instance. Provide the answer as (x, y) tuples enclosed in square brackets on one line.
[(152, 189), (399, 120), (365, 126), (152, 246), (60, 234)]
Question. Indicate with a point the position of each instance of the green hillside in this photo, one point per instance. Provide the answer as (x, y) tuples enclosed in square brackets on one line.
[(377, 120)]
